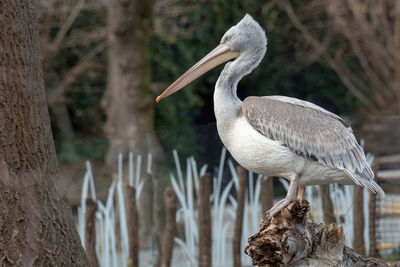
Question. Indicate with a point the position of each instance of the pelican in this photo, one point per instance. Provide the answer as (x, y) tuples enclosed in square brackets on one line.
[(277, 135)]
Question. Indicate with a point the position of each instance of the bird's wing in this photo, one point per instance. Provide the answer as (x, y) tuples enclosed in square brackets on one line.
[(309, 131)]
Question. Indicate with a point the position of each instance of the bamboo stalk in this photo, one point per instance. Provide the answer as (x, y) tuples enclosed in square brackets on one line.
[(133, 226), (205, 242), (90, 232), (239, 216)]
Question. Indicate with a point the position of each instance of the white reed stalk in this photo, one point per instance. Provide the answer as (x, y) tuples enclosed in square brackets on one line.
[(124, 242), (138, 165), (148, 169), (178, 170), (130, 170)]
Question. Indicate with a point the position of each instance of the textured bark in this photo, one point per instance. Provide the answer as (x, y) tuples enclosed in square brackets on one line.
[(128, 101), (133, 226), (327, 205), (267, 193), (36, 223), (237, 236), (90, 232), (358, 223), (205, 242), (288, 239), (170, 229)]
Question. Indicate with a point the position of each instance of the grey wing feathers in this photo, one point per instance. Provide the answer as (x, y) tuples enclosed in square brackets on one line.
[(312, 132)]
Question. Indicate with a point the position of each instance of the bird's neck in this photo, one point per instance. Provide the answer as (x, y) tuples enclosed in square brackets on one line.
[(226, 102)]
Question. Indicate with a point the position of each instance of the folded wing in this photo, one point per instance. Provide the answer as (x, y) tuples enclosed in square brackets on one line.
[(312, 132)]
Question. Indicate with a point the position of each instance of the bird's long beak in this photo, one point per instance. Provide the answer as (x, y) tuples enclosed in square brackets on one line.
[(219, 55)]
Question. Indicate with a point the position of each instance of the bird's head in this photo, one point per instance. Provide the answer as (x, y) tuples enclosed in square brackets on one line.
[(246, 38)]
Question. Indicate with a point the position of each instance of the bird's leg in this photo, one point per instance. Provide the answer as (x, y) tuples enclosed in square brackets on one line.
[(291, 195), (300, 192)]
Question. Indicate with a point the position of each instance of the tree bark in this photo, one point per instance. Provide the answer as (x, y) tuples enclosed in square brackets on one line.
[(205, 242), (128, 101), (289, 239), (37, 227), (327, 205)]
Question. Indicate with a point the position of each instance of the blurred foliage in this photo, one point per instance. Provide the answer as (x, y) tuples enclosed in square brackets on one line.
[(185, 31)]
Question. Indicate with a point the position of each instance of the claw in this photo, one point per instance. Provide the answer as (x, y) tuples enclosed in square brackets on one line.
[(278, 207)]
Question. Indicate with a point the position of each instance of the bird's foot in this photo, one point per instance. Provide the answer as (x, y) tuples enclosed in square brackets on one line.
[(278, 207)]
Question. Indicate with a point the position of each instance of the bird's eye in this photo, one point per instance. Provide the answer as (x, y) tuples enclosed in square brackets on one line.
[(227, 38)]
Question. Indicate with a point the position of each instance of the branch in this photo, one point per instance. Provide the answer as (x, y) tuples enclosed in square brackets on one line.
[(346, 79), (82, 38), (73, 74), (288, 239), (55, 46)]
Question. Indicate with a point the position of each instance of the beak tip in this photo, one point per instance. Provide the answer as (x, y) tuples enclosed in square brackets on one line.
[(158, 99)]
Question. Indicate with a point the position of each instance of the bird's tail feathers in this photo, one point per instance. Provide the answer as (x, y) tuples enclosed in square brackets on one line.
[(365, 179)]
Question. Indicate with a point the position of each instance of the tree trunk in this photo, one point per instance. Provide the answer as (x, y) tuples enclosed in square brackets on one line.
[(289, 239), (64, 124), (37, 227), (128, 101)]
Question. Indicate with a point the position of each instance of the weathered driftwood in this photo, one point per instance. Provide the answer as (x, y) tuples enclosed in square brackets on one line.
[(289, 239)]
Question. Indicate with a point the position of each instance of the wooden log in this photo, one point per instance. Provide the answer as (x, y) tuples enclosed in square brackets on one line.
[(146, 212), (358, 221), (205, 241), (158, 207), (373, 248), (267, 193), (90, 232), (239, 217), (289, 239), (327, 205), (133, 226), (170, 229)]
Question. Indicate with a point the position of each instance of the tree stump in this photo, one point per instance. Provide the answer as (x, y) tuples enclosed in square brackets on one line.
[(289, 239)]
